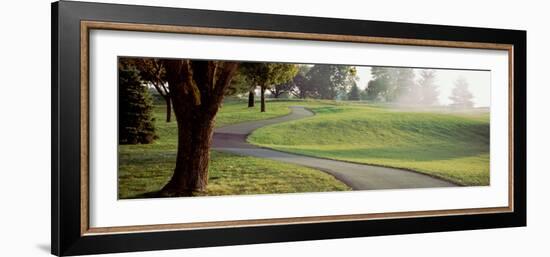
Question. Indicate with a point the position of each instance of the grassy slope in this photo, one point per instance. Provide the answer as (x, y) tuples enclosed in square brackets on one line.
[(146, 168), (450, 146)]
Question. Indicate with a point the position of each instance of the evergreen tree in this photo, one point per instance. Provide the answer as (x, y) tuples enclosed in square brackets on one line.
[(461, 96), (354, 94), (404, 89), (428, 89), (136, 122), (382, 85), (364, 95)]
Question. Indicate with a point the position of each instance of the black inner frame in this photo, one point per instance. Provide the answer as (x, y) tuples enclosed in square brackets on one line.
[(65, 166)]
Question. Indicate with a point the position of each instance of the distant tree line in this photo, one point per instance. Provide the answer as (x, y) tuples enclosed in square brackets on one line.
[(340, 82), (319, 81), (399, 85)]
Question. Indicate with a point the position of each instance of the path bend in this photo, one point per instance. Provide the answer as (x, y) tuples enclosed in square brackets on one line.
[(232, 139)]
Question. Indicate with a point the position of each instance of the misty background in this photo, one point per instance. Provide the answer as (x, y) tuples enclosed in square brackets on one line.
[(479, 83)]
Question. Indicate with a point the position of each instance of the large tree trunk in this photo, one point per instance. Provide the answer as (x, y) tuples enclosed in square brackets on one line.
[(194, 140), (197, 89), (168, 108), (251, 98), (263, 98)]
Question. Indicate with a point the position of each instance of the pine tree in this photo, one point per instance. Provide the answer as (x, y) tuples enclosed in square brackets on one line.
[(461, 96), (428, 88), (354, 94), (136, 122), (405, 90), (382, 86)]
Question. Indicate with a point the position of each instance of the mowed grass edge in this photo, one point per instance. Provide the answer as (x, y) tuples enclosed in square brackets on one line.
[(146, 168), (450, 145), (229, 174)]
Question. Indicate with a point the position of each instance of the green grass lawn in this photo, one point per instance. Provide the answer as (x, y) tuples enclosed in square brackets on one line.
[(146, 168), (228, 175), (449, 145)]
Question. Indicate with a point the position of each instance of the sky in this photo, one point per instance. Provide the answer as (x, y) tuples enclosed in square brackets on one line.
[(479, 83)]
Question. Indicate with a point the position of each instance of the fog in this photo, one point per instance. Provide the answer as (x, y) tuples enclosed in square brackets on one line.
[(479, 83)]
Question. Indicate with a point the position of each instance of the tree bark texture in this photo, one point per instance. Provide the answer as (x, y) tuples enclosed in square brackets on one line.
[(196, 90)]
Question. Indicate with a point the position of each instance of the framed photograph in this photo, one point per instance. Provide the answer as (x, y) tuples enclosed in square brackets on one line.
[(177, 128)]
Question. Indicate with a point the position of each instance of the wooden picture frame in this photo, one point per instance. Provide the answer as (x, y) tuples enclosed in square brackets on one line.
[(71, 25)]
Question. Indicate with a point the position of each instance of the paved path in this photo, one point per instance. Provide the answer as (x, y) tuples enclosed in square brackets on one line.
[(232, 139)]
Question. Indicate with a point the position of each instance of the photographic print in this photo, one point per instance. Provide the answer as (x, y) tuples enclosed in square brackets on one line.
[(178, 128), (191, 127)]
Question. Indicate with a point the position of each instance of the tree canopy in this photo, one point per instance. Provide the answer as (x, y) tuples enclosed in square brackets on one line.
[(301, 88), (382, 84), (329, 80), (267, 75)]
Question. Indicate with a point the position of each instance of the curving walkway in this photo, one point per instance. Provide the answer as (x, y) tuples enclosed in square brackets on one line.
[(232, 139)]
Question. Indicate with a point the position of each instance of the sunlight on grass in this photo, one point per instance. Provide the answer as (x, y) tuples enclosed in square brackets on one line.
[(146, 168), (452, 145), (447, 144), (228, 175)]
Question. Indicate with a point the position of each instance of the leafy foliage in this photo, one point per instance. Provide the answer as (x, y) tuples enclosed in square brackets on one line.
[(301, 87), (282, 89), (381, 85), (268, 74), (329, 80), (239, 85)]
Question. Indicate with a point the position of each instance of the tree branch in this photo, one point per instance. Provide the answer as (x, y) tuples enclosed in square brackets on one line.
[(190, 85)]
